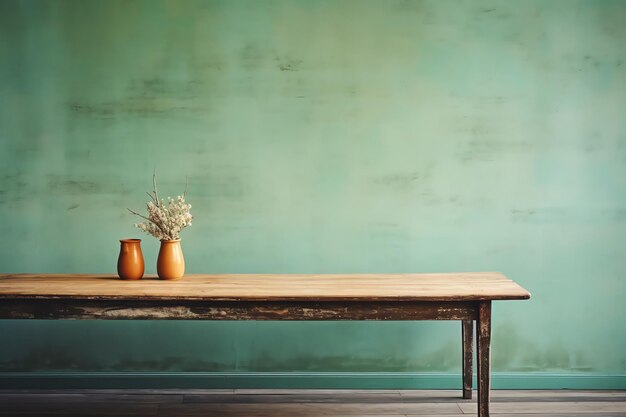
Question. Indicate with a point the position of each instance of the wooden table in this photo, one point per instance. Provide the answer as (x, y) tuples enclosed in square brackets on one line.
[(457, 296)]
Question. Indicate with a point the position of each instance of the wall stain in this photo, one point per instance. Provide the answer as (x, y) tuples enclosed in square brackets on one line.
[(68, 185), (13, 188), (445, 358), (48, 359), (402, 180), (512, 352), (430, 198), (133, 106), (147, 97), (456, 200), (563, 215), (522, 215), (491, 13), (155, 87), (89, 109), (288, 64), (55, 359), (485, 149), (169, 363), (252, 56)]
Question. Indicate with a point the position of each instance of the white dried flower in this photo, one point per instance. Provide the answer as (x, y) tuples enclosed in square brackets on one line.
[(165, 221)]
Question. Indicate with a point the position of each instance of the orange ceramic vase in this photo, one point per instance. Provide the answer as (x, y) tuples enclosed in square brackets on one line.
[(130, 261), (170, 263)]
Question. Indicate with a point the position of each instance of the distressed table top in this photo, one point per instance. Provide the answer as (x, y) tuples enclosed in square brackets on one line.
[(470, 286)]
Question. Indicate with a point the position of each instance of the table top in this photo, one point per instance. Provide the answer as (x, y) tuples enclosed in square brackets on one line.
[(468, 286)]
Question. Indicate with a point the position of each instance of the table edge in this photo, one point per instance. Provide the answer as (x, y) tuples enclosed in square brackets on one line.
[(263, 299)]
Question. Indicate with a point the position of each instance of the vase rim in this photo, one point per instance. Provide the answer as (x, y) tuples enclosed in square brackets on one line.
[(170, 240), (130, 240)]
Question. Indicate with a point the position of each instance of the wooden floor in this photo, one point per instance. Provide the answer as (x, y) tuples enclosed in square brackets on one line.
[(305, 403)]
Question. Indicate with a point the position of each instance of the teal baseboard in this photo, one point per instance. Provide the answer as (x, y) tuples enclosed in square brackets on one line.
[(302, 380)]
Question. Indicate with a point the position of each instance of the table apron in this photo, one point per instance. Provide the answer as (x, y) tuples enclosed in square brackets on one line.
[(75, 309)]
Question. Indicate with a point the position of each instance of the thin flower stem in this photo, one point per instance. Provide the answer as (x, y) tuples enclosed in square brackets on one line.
[(150, 220), (154, 188)]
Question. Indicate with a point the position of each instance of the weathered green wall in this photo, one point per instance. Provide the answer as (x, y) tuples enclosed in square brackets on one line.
[(319, 136)]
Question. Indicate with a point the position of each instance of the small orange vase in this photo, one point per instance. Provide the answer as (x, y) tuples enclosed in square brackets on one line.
[(130, 261), (170, 263)]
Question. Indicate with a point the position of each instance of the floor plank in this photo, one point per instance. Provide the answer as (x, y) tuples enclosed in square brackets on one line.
[(595, 414), (83, 409), (307, 409), (306, 403), (550, 407)]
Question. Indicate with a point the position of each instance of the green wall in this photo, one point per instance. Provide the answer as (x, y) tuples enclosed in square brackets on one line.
[(322, 136)]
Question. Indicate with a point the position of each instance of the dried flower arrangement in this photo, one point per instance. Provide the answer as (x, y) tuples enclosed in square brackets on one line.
[(165, 221)]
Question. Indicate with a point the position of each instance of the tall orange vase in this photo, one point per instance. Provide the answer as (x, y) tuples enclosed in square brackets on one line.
[(130, 261), (170, 263)]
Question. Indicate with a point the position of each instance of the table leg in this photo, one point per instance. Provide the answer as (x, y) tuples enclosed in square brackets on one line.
[(467, 333), (483, 341)]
